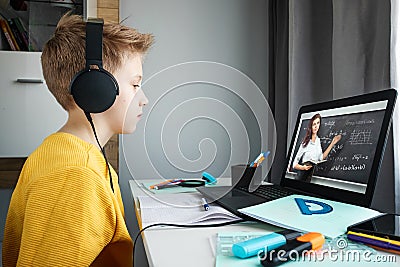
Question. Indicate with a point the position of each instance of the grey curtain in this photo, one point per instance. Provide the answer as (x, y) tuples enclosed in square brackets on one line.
[(278, 37), (340, 48)]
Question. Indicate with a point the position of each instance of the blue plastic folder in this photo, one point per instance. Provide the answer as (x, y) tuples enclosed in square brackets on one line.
[(287, 213)]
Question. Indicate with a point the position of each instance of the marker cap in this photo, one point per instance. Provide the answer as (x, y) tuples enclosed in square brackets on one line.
[(209, 178), (317, 240)]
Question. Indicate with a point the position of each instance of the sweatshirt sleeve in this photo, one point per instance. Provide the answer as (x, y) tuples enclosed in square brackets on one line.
[(298, 156), (69, 219)]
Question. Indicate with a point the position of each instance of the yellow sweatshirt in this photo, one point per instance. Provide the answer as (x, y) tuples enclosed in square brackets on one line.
[(63, 211)]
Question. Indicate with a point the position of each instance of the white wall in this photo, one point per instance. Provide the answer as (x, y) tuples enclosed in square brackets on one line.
[(202, 115)]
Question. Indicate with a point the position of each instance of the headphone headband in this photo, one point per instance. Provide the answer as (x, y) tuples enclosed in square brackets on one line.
[(94, 89), (94, 42)]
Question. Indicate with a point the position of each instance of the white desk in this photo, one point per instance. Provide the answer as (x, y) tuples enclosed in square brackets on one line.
[(185, 246), (194, 246)]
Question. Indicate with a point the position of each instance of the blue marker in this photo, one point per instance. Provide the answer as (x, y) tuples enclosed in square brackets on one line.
[(268, 242), (205, 204)]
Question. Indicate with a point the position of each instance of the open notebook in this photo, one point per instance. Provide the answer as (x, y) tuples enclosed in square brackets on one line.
[(181, 209)]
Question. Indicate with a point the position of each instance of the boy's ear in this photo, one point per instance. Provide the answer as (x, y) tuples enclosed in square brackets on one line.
[(94, 89)]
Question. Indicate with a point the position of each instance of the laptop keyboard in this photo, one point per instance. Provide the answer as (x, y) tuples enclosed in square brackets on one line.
[(268, 192)]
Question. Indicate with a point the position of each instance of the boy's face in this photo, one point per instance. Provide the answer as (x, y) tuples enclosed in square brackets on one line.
[(128, 107)]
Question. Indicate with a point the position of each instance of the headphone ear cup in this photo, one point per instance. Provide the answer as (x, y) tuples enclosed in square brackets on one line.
[(94, 90)]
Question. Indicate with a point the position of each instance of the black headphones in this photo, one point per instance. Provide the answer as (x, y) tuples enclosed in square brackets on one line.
[(94, 89)]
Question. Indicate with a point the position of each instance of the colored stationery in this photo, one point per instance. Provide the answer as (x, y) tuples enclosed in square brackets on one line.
[(165, 184), (380, 242), (205, 204), (293, 249), (167, 190), (224, 242), (260, 158), (254, 246)]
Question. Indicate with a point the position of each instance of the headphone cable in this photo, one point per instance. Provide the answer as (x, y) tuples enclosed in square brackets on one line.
[(101, 148), (182, 226), (157, 224)]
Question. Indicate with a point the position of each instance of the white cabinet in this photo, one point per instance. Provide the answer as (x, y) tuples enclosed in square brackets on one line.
[(28, 111)]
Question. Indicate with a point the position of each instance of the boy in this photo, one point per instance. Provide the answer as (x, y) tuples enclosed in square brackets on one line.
[(63, 211)]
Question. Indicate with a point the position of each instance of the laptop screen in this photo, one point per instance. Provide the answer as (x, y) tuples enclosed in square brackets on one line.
[(337, 146)]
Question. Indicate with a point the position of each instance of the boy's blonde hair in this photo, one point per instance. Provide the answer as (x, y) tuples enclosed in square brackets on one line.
[(64, 54)]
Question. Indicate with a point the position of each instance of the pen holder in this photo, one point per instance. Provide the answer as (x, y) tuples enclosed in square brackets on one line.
[(244, 175)]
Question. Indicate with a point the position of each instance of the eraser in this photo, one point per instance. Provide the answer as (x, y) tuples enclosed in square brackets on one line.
[(252, 247)]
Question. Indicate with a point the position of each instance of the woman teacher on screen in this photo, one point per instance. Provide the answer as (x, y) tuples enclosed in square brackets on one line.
[(310, 151)]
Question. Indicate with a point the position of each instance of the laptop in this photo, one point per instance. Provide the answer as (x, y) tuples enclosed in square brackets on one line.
[(349, 172)]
